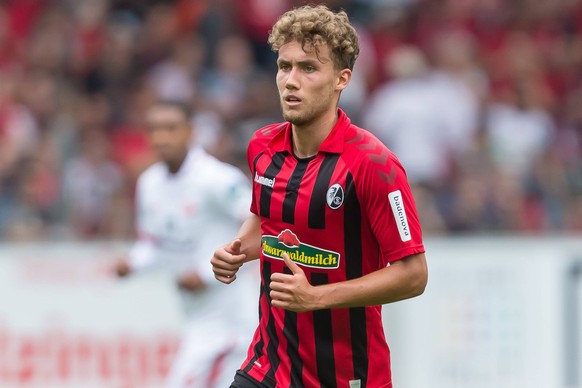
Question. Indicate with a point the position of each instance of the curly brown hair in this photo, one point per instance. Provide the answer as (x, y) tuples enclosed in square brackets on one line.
[(316, 25)]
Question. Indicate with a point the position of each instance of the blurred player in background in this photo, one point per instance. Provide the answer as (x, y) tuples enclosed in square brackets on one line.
[(187, 204), (334, 223)]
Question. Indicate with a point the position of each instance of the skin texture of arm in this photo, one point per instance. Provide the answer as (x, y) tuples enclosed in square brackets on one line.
[(403, 279), (245, 247)]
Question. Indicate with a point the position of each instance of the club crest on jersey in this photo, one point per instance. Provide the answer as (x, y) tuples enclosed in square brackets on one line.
[(335, 196), (301, 253)]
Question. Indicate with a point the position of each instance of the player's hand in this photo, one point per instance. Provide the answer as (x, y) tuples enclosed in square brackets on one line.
[(292, 291), (227, 260), (122, 268), (191, 281)]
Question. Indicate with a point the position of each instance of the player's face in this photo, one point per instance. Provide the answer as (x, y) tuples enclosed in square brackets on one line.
[(308, 83), (170, 132)]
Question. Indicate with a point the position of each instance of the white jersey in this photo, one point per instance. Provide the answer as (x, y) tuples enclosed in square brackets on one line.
[(181, 219)]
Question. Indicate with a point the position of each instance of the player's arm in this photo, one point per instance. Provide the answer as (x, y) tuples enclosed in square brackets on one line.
[(244, 248), (142, 256), (250, 237), (143, 253), (403, 279)]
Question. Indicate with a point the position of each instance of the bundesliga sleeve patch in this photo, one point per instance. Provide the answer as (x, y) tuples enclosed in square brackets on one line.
[(397, 206)]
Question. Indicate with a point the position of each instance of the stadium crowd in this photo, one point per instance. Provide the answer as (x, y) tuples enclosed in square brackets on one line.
[(480, 99)]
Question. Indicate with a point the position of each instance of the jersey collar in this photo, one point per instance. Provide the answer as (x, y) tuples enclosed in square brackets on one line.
[(333, 143), (193, 155)]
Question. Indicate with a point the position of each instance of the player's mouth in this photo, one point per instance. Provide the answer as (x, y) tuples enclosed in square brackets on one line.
[(292, 100)]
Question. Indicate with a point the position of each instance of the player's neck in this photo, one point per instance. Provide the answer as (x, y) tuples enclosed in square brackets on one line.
[(175, 165), (308, 138)]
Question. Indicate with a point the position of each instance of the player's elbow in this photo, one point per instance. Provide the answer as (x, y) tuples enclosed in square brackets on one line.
[(419, 276), (419, 282)]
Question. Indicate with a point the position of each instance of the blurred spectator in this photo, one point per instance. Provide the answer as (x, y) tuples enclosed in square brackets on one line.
[(226, 86), (92, 186), (462, 85), (517, 131), (38, 193), (129, 143), (415, 114), (175, 78), (481, 103)]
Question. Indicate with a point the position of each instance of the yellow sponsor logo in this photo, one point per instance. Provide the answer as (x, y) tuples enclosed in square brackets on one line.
[(304, 254)]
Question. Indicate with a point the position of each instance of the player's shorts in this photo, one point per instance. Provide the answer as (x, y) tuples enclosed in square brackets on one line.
[(242, 380), (206, 361)]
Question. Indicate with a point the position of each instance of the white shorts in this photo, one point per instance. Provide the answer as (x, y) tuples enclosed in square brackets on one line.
[(207, 359)]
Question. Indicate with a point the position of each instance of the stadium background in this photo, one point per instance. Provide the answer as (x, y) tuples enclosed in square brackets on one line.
[(495, 163)]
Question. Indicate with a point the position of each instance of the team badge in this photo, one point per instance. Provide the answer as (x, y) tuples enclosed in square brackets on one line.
[(335, 196)]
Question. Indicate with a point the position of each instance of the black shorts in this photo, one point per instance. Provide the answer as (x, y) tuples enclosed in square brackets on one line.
[(243, 380)]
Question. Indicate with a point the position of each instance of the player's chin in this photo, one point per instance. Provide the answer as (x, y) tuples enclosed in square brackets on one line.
[(292, 116)]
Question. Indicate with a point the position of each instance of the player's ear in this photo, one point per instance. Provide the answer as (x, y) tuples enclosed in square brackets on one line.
[(343, 79)]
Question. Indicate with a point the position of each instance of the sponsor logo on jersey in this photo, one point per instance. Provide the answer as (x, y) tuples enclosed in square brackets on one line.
[(270, 182), (397, 206), (335, 196), (355, 383), (304, 254)]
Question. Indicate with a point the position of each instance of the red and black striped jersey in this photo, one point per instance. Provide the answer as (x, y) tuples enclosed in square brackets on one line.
[(344, 213)]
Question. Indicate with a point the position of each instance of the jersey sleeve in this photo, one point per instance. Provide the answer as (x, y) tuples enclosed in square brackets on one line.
[(256, 147), (231, 193), (229, 196), (390, 208)]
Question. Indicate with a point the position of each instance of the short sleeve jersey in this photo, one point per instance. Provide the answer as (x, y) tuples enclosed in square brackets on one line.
[(340, 215)]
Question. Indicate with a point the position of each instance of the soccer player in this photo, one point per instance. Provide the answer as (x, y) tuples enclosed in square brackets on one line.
[(187, 204), (334, 223)]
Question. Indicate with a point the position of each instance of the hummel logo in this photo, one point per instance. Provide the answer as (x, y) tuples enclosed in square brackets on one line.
[(264, 181)]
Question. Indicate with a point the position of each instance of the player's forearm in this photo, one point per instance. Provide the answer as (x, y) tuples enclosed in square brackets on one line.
[(250, 236), (404, 279)]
